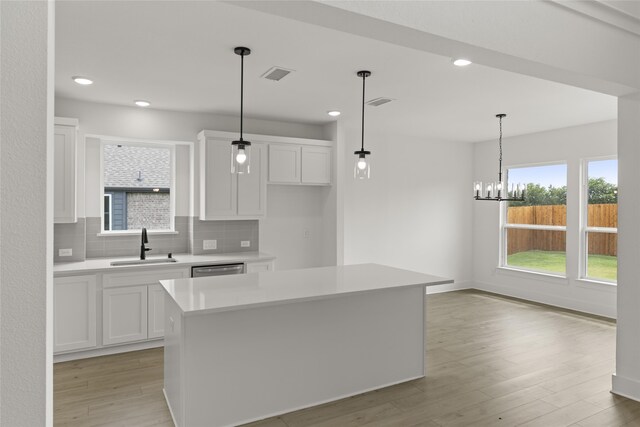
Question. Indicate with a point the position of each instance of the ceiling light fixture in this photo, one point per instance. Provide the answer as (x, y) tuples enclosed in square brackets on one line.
[(141, 103), (84, 81), (241, 149), (333, 113), (362, 169), (498, 191), (461, 62)]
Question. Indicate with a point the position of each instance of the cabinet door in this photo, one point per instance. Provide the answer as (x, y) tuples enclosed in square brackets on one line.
[(156, 311), (124, 314), (74, 313), (64, 171), (316, 165), (284, 163), (252, 187), (258, 267), (218, 186)]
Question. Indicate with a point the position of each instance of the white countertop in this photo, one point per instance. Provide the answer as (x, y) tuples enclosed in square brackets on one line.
[(224, 293), (96, 265)]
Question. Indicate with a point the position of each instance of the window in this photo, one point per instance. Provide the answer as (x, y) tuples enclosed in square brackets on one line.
[(137, 186), (534, 231), (107, 213), (600, 220)]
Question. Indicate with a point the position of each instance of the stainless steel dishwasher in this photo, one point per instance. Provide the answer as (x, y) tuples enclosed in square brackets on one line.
[(217, 270)]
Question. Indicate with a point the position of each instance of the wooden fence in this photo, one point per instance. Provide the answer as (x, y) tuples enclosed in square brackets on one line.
[(521, 240)]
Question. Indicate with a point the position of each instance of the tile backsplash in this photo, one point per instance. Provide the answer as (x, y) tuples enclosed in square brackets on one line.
[(82, 238), (69, 236), (114, 246), (227, 234)]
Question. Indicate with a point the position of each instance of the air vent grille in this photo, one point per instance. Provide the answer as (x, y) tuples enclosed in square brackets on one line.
[(379, 101), (276, 73)]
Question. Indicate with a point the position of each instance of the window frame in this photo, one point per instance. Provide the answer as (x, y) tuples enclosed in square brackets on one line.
[(583, 256), (504, 226), (105, 140)]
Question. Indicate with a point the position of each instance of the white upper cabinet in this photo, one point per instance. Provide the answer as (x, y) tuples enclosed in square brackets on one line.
[(284, 163), (299, 164), (224, 195), (316, 165), (64, 167)]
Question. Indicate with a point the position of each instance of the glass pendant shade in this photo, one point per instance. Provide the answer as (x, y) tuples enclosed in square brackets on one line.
[(240, 157), (362, 167)]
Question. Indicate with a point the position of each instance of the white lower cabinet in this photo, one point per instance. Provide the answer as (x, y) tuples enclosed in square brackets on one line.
[(74, 313), (258, 267), (133, 305), (124, 314)]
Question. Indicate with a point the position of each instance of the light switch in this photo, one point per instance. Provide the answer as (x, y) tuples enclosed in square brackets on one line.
[(245, 243)]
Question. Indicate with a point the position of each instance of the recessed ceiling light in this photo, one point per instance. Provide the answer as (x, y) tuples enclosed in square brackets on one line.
[(82, 80), (333, 113), (141, 103), (461, 62)]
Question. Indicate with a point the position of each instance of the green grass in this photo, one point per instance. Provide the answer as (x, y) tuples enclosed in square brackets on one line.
[(599, 266)]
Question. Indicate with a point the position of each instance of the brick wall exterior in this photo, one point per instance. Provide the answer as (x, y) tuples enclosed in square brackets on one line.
[(149, 210)]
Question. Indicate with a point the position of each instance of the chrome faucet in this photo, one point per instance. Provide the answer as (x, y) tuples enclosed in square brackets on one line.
[(144, 249)]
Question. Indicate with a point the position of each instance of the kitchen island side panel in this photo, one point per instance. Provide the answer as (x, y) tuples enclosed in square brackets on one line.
[(249, 364), (174, 372)]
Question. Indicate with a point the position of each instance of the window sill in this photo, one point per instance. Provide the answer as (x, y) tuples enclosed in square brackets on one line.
[(134, 233), (599, 284), (530, 274)]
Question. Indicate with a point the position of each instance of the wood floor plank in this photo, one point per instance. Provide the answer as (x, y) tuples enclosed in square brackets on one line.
[(490, 361)]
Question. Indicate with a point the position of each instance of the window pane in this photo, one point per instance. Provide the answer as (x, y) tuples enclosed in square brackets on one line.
[(107, 213), (602, 208), (539, 250), (139, 181), (602, 256), (546, 195)]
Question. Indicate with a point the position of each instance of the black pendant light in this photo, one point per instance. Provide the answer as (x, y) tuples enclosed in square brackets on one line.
[(362, 168), (241, 149), (498, 191)]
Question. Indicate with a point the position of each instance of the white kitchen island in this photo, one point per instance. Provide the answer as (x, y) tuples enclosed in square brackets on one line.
[(246, 347)]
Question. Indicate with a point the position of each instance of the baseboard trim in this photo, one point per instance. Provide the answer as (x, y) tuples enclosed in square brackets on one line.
[(597, 310), (625, 387), (449, 287), (105, 351)]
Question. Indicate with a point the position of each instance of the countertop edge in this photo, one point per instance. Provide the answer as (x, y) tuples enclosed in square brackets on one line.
[(190, 313), (63, 270)]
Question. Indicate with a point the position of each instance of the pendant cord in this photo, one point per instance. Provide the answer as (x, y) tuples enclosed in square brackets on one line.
[(241, 91), (363, 78), (500, 158)]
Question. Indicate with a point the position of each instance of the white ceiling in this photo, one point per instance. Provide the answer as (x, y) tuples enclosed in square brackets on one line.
[(179, 56)]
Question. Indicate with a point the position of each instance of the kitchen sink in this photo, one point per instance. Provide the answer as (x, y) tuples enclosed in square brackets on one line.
[(143, 261)]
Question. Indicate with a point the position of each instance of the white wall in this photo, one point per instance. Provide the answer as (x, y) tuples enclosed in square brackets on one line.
[(290, 209), (570, 145), (26, 213), (414, 212)]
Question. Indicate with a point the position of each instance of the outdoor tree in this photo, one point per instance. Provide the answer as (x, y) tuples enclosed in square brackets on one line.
[(602, 192)]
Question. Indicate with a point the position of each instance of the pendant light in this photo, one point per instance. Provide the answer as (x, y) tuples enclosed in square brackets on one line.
[(241, 149), (362, 168), (498, 191)]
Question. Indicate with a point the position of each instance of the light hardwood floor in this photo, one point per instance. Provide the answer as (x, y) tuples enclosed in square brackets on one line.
[(491, 361)]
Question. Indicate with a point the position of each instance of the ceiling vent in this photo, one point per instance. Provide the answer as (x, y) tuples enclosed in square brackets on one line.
[(379, 101), (276, 73)]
